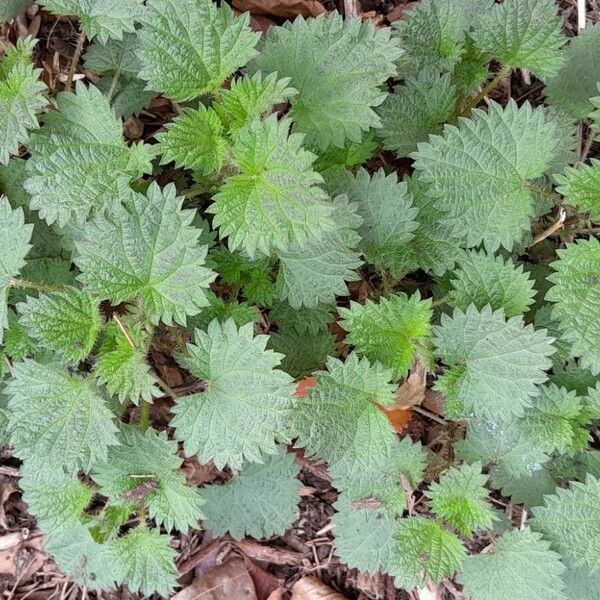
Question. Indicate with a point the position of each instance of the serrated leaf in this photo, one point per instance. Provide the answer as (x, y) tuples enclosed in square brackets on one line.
[(391, 332), (581, 583), (385, 207), (103, 18), (146, 561), (246, 404), (483, 279), (240, 312), (311, 320), (416, 109), (79, 160), (21, 97), (523, 34), (480, 171), (315, 271), (338, 75), (528, 489), (147, 249), (11, 8), (123, 369), (150, 458), (570, 519), (544, 319), (425, 551), (274, 202), (581, 187), (351, 154), (576, 294), (114, 56), (520, 567), (495, 363), (65, 322), (194, 140), (190, 47), (573, 376), (265, 496), (129, 95), (576, 82), (50, 419), (459, 498)]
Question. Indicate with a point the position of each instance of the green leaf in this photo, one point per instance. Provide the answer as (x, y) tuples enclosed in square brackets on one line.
[(80, 162), (50, 418), (310, 320), (274, 201), (149, 458), (483, 279), (146, 561), (21, 97), (581, 187), (65, 322), (573, 376), (194, 140), (147, 249), (388, 217), (581, 583), (103, 18), (570, 520), (315, 271), (11, 8), (247, 401), (425, 551), (480, 170), (495, 363), (240, 312), (416, 109), (190, 47), (114, 56), (545, 319), (528, 489), (351, 154), (576, 292), (392, 331), (460, 498), (129, 96), (576, 82), (520, 567), (523, 34), (123, 369), (338, 74), (15, 236), (265, 497)]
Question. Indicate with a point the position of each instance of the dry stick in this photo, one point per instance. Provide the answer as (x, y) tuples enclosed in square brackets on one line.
[(562, 215), (351, 9), (580, 15), (75, 59), (429, 414)]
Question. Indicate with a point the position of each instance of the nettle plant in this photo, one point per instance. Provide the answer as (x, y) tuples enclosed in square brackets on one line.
[(262, 217)]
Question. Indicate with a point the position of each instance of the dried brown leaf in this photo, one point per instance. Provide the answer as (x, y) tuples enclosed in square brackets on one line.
[(281, 8), (311, 588)]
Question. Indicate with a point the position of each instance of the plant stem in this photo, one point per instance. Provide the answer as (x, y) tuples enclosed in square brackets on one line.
[(43, 287), (144, 421), (491, 84), (75, 59), (113, 85), (124, 331)]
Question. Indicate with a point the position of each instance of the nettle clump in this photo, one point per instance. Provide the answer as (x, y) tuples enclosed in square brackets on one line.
[(479, 266)]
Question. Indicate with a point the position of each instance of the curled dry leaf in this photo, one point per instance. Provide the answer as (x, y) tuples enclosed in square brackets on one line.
[(310, 588), (303, 386), (281, 8)]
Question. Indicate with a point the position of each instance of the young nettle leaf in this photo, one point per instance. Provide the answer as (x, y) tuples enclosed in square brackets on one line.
[(424, 551), (123, 368), (66, 323), (190, 47), (21, 97), (460, 498), (576, 294), (495, 363), (143, 467), (569, 520), (416, 109), (483, 279), (15, 236), (50, 416), (240, 312), (520, 567), (274, 202), (581, 188), (147, 249), (392, 331), (388, 216), (261, 501), (522, 34), (79, 160), (481, 169), (312, 320), (528, 489), (247, 402), (575, 84), (315, 271), (338, 79), (107, 19)]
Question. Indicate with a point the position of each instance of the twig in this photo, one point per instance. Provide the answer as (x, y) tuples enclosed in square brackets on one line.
[(523, 519), (351, 9), (124, 331), (580, 15), (429, 414), (562, 215), (75, 59)]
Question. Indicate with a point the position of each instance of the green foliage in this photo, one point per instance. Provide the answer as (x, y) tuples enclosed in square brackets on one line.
[(580, 187), (392, 331), (11, 8), (265, 497)]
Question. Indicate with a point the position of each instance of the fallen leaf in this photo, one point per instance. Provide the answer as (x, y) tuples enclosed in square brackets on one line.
[(303, 386), (281, 8), (310, 588), (197, 473), (398, 417), (398, 11), (412, 391)]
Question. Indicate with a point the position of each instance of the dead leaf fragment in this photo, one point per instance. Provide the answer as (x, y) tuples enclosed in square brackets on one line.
[(412, 390), (311, 588), (281, 8), (304, 385)]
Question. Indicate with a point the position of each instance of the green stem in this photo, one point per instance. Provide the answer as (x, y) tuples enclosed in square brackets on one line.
[(75, 59), (43, 287), (440, 301), (536, 189), (144, 421), (500, 75), (113, 85)]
